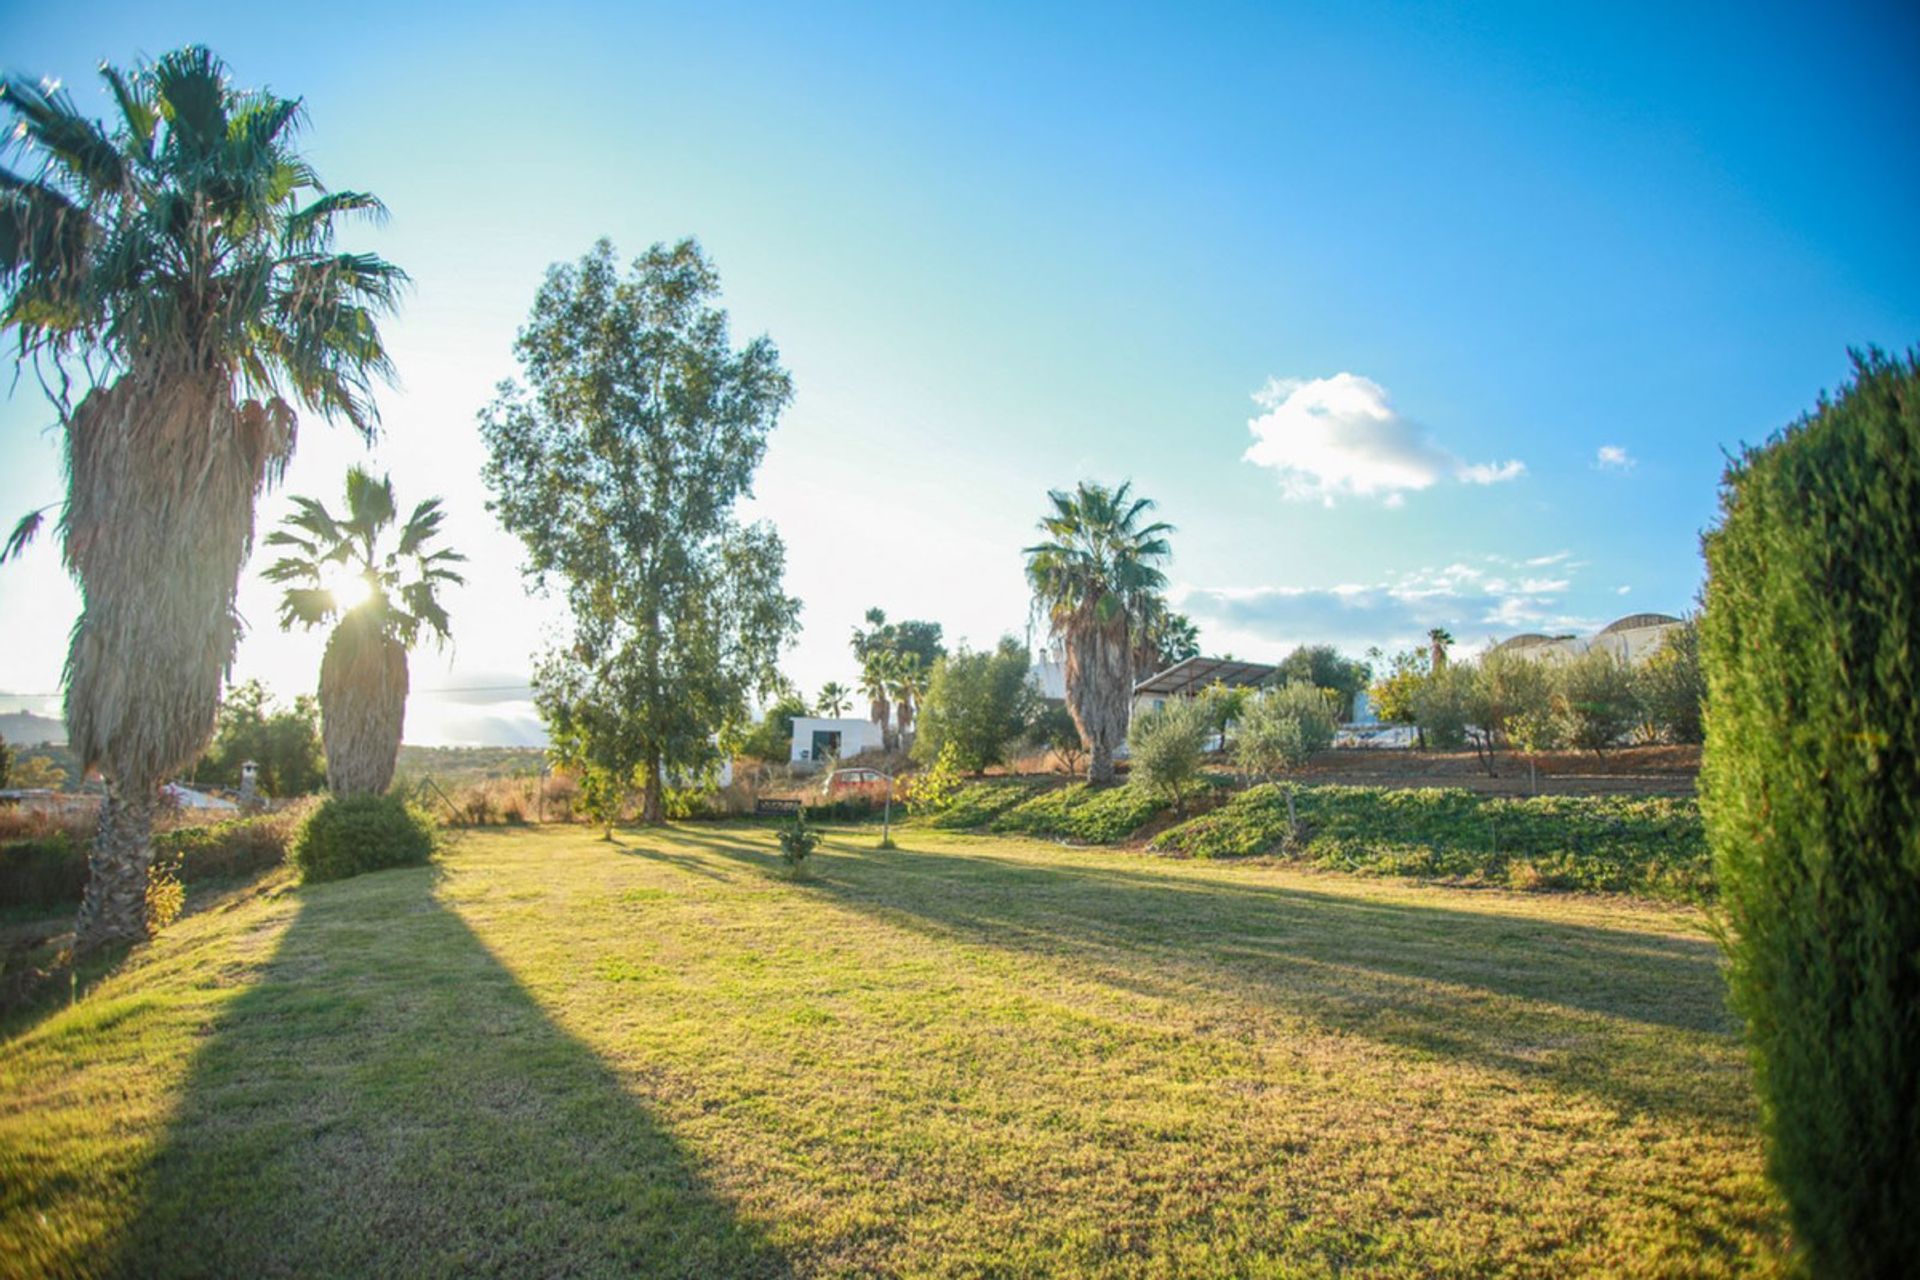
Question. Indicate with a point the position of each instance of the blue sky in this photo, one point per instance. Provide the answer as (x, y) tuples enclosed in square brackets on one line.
[(1358, 292)]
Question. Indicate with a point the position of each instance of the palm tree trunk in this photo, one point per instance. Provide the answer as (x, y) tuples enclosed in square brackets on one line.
[(114, 907), (363, 706), (163, 471), (1098, 690)]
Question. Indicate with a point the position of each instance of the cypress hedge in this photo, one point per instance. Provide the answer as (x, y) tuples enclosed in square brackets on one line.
[(1810, 787)]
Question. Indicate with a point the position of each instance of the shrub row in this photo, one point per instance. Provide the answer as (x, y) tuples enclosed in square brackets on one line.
[(51, 871), (1653, 846)]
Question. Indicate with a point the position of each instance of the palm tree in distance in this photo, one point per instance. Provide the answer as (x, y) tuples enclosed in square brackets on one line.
[(1437, 641), (909, 686), (381, 595), (1160, 637), (876, 681), (176, 270), (834, 699), (1090, 577)]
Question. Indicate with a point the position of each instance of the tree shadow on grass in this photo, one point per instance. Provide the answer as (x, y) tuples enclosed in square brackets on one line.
[(1636, 1018), (386, 1100)]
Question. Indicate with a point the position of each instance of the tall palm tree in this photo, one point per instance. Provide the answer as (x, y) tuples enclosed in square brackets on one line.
[(834, 699), (381, 595), (876, 681), (909, 686), (1098, 565), (1438, 640), (178, 272)]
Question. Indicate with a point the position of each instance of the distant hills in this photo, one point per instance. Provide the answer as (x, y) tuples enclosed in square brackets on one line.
[(25, 729)]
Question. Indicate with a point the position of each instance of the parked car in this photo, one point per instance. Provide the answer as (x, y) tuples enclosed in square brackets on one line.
[(850, 779)]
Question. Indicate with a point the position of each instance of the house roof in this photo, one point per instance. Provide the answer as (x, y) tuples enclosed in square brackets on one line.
[(1635, 621), (1190, 675)]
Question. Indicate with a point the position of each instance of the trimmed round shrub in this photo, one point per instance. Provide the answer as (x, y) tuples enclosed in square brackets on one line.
[(1811, 790), (350, 835)]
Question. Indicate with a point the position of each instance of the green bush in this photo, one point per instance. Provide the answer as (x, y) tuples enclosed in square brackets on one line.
[(1651, 846), (350, 835), (1104, 815), (1596, 700), (1281, 729), (1164, 748), (51, 871), (1443, 704), (42, 873), (1672, 688), (1811, 645), (797, 843)]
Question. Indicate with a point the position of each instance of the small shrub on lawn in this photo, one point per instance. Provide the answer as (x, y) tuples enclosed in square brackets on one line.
[(351, 835), (1653, 846), (1104, 815), (797, 843)]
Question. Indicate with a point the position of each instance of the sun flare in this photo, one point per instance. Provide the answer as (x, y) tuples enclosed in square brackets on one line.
[(348, 588)]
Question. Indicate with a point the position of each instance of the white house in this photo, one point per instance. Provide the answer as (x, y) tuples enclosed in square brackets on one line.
[(817, 739)]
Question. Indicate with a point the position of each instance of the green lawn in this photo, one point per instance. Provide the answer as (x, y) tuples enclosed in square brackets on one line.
[(974, 1056)]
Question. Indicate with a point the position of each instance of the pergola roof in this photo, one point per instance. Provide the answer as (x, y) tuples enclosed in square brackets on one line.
[(1190, 675)]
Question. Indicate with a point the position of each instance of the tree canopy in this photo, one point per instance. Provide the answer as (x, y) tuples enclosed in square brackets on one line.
[(618, 464)]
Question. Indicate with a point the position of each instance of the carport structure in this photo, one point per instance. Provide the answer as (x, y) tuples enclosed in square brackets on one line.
[(1188, 677)]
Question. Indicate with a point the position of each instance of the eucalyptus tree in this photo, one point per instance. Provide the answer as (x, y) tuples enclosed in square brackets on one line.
[(176, 272), (1091, 577), (377, 582), (618, 465)]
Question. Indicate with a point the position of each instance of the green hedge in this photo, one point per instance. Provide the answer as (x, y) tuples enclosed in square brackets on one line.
[(52, 871), (1811, 786), (1653, 846), (352, 835), (1104, 815)]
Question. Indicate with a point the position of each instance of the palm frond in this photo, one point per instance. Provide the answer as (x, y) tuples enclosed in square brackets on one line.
[(24, 533)]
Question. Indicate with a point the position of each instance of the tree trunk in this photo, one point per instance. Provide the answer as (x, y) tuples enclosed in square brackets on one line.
[(1099, 688), (114, 907), (1100, 764), (653, 808), (363, 705), (163, 471)]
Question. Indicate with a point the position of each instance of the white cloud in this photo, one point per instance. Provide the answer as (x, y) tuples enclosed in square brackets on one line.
[(1614, 457), (1491, 472), (1341, 437), (1620, 591), (1477, 602)]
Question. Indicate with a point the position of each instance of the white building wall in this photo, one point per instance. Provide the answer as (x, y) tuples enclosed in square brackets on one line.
[(856, 735)]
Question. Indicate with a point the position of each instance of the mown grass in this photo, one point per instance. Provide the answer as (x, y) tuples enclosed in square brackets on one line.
[(972, 1056), (1652, 846)]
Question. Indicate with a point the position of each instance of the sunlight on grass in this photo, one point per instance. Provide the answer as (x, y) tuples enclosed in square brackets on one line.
[(968, 1054)]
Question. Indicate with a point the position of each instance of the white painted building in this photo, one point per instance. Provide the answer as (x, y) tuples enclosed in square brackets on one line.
[(818, 739)]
